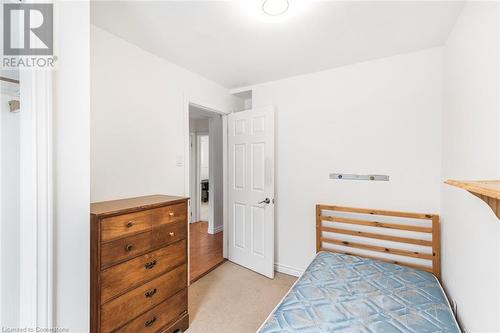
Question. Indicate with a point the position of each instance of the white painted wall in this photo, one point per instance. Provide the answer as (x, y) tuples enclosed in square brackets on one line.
[(248, 104), (203, 169), (216, 175), (198, 125), (139, 119), (471, 150), (381, 117), (204, 156), (71, 166), (9, 179)]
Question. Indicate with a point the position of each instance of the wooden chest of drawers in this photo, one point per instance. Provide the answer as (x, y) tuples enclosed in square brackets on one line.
[(138, 273)]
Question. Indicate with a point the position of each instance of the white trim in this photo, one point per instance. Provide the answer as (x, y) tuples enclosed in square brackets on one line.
[(36, 200), (288, 269), (187, 155), (1, 220), (212, 186), (187, 175), (193, 210), (215, 230), (27, 214), (225, 238)]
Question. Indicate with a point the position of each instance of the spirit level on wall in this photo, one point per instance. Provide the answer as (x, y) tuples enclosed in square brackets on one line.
[(350, 176)]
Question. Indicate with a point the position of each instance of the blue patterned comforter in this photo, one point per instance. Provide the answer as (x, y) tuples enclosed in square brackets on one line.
[(349, 294)]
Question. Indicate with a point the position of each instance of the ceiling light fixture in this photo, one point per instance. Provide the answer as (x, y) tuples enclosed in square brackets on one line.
[(275, 7)]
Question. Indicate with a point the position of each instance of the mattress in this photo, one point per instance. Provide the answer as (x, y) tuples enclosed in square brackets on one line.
[(350, 294)]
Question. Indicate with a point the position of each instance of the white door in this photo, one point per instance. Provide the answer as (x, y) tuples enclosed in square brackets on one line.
[(251, 189)]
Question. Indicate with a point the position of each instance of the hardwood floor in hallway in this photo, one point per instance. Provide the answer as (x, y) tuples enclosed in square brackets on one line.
[(205, 250)]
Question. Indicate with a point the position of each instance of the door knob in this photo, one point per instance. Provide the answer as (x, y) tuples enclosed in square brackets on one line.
[(266, 201)]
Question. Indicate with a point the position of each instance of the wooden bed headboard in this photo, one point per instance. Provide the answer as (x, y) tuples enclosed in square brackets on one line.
[(408, 239)]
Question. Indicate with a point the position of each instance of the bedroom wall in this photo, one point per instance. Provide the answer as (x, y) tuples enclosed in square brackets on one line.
[(71, 104), (138, 119), (471, 150), (380, 117)]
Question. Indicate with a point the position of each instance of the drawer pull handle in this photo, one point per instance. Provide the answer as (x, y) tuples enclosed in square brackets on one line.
[(150, 293), (150, 264), (171, 214), (150, 322), (130, 224), (172, 234), (129, 247)]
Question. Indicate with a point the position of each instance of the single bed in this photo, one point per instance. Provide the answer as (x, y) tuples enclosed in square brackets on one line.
[(393, 289)]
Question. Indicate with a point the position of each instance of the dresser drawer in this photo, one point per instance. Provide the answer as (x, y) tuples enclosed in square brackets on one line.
[(169, 233), (122, 277), (126, 307), (180, 325), (169, 214), (160, 316), (124, 225), (124, 248)]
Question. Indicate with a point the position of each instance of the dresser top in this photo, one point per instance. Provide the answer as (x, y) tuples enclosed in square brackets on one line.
[(132, 204)]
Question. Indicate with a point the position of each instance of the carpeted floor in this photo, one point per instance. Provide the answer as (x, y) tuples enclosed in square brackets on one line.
[(234, 299)]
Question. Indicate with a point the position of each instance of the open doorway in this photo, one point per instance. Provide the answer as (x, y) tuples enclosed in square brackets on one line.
[(206, 232)]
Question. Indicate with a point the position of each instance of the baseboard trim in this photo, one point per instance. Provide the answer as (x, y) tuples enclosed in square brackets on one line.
[(287, 270), (215, 230)]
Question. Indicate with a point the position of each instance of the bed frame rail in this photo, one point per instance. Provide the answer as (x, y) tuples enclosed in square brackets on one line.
[(402, 238)]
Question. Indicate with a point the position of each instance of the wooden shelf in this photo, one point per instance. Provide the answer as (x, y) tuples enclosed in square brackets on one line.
[(486, 190)]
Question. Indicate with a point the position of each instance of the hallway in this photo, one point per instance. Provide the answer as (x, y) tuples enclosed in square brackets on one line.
[(205, 250)]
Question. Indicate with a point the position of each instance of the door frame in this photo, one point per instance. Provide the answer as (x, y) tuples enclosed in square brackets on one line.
[(36, 284), (189, 101), (36, 218), (193, 157)]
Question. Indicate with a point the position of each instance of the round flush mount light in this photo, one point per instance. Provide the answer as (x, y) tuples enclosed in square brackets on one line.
[(275, 7)]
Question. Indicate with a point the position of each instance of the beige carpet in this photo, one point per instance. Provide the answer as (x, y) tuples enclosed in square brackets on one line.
[(234, 299)]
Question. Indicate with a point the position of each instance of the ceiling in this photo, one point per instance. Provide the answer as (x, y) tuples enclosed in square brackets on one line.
[(234, 44)]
